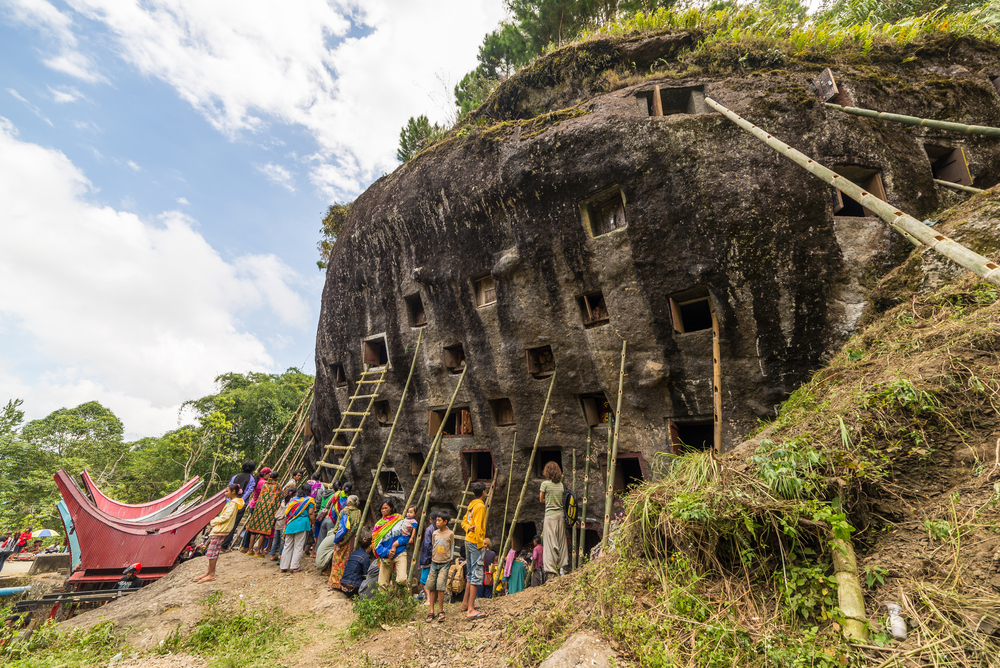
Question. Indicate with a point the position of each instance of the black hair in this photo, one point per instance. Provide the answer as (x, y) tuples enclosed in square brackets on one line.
[(391, 502), (236, 488), (336, 485), (298, 472), (445, 515), (273, 475), (318, 475), (537, 539), (249, 466), (478, 489), (304, 490), (348, 488), (365, 541)]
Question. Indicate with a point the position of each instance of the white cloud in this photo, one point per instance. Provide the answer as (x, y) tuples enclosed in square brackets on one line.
[(277, 175), (138, 314), (134, 167), (58, 27), (35, 110), (87, 126), (64, 94), (245, 63), (183, 200)]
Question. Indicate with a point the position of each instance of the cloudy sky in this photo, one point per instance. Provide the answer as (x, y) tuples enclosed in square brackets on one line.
[(164, 166)]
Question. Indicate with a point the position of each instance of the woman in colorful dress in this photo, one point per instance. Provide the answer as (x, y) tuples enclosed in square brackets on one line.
[(260, 526), (387, 531), (299, 518), (346, 529)]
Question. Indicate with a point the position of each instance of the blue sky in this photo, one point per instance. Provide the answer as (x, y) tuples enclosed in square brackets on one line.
[(164, 167)]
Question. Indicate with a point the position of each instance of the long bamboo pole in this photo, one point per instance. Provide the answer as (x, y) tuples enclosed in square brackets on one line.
[(915, 120), (983, 267), (959, 186), (716, 380), (586, 493), (510, 477), (572, 554), (609, 497), (392, 431), (437, 439), (291, 420), (417, 538), (531, 466)]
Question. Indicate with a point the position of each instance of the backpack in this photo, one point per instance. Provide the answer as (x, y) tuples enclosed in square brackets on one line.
[(569, 508), (456, 578), (343, 527)]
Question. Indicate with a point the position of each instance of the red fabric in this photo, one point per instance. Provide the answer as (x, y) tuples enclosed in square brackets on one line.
[(23, 539)]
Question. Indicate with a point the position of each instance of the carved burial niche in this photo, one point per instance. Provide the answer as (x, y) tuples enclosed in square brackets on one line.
[(667, 101), (949, 164), (604, 212), (478, 465), (415, 310), (628, 470), (389, 483), (454, 358), (522, 535), (593, 310), (596, 408), (870, 180), (503, 412), (543, 457), (416, 461), (375, 352), (687, 435), (691, 310), (486, 290), (338, 374), (541, 361), (383, 414), (459, 423)]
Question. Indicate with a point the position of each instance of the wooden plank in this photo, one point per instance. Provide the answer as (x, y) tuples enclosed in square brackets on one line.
[(657, 102), (331, 466), (826, 86), (953, 167)]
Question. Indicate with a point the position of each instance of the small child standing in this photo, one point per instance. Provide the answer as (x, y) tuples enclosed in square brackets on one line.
[(442, 547)]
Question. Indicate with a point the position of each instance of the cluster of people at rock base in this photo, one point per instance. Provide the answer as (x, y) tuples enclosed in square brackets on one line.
[(289, 521)]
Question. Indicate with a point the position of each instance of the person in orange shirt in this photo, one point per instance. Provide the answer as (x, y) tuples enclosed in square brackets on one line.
[(474, 525)]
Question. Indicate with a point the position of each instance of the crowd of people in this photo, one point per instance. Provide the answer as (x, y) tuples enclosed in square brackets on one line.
[(308, 518)]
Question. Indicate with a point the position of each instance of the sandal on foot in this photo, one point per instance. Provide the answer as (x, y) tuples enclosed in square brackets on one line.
[(440, 617), (430, 618), (478, 615)]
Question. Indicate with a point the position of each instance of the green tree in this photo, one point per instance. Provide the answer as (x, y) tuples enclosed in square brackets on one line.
[(333, 223), (417, 134), (472, 91)]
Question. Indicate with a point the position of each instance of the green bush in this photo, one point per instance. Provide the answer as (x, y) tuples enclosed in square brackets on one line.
[(387, 606)]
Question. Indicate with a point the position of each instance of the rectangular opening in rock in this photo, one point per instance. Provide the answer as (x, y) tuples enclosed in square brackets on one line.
[(478, 465), (459, 422), (628, 470), (383, 414), (691, 310), (503, 412), (543, 457), (454, 358), (375, 352), (666, 100), (388, 482), (415, 310), (870, 180), (596, 408), (949, 164), (541, 361), (687, 435), (416, 461), (339, 376), (522, 535), (604, 212), (593, 310), (486, 290)]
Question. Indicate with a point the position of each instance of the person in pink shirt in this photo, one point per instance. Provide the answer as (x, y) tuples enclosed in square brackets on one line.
[(537, 577)]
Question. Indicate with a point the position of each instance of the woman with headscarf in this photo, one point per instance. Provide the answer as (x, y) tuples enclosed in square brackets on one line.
[(299, 517), (343, 538), (260, 526)]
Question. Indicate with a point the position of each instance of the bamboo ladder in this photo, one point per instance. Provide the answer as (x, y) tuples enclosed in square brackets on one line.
[(612, 459), (346, 450)]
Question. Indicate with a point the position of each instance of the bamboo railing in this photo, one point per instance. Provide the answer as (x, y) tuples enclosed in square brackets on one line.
[(609, 497), (959, 186), (983, 267), (922, 122)]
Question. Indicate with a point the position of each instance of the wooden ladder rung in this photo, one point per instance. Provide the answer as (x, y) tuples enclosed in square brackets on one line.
[(356, 413), (348, 429), (368, 382), (345, 448), (364, 396), (331, 466), (373, 373)]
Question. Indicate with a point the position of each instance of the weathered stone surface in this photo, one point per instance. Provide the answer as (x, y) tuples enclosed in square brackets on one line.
[(707, 206), (50, 563), (581, 650)]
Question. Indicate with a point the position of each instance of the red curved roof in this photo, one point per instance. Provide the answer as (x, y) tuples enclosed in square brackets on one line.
[(130, 511)]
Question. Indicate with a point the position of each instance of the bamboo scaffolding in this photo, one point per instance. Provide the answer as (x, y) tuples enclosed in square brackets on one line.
[(531, 465), (462, 505), (291, 420), (609, 497), (572, 554), (299, 428), (586, 493), (418, 536), (437, 439), (716, 380), (922, 122), (959, 186), (986, 269), (372, 395), (392, 431), (510, 477)]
